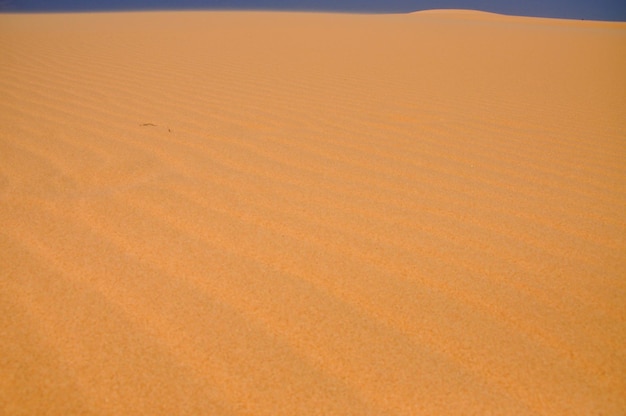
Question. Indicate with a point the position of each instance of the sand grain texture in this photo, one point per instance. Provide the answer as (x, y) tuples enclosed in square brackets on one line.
[(288, 214)]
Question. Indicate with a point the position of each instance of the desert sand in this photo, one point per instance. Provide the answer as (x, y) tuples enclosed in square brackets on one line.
[(263, 213)]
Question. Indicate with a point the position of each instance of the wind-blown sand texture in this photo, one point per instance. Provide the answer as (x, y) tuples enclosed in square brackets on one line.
[(239, 213)]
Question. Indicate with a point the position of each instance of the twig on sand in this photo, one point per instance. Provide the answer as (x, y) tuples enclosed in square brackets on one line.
[(148, 124)]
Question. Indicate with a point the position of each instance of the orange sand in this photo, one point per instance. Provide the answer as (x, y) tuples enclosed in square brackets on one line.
[(331, 214)]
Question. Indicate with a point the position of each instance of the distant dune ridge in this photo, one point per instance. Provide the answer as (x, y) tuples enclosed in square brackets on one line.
[(248, 213)]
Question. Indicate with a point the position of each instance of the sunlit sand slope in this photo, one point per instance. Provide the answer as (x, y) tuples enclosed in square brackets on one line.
[(292, 214)]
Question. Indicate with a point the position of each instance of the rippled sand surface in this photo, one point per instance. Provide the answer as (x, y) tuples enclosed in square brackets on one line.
[(246, 213)]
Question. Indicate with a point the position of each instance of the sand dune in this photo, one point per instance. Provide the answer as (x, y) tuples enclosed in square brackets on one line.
[(290, 214)]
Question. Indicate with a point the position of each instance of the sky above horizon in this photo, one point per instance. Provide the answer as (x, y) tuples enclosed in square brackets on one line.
[(614, 10)]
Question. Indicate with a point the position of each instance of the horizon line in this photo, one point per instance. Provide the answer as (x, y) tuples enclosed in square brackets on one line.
[(294, 10)]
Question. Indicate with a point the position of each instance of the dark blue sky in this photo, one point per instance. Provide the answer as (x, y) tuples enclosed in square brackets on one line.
[(571, 9)]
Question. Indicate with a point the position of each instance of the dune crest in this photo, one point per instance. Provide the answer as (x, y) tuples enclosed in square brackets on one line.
[(292, 214)]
